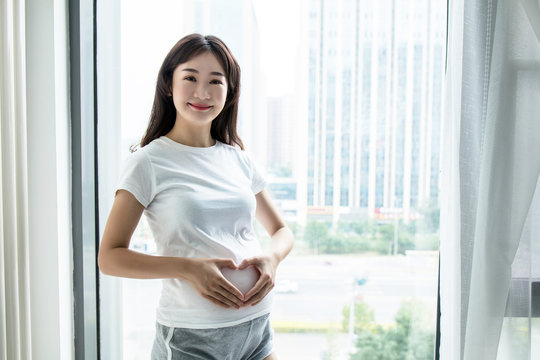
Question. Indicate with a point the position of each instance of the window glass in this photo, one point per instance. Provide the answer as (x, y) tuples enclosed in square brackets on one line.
[(341, 105)]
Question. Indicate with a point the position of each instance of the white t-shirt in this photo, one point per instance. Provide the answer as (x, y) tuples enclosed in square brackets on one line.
[(199, 202)]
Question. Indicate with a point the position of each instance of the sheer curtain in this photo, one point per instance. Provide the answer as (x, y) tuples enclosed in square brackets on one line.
[(14, 242), (491, 165)]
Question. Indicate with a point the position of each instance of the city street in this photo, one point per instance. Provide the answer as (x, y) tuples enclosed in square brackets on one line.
[(325, 285)]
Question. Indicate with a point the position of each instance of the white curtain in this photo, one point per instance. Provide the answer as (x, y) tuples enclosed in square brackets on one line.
[(491, 165), (36, 311), (14, 242)]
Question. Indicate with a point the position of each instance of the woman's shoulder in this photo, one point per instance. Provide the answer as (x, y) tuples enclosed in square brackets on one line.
[(235, 151), (244, 158), (136, 159), (155, 148), (144, 156), (231, 148)]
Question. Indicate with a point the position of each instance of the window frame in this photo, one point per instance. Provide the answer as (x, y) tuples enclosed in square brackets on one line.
[(85, 190), (83, 105)]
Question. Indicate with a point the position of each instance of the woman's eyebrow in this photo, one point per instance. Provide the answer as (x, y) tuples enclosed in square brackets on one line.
[(197, 71)]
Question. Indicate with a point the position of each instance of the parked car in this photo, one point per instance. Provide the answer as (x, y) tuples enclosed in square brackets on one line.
[(286, 286)]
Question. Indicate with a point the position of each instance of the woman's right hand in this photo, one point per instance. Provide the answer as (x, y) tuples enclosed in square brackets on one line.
[(205, 276)]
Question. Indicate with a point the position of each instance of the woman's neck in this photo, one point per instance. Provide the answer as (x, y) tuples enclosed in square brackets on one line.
[(195, 137)]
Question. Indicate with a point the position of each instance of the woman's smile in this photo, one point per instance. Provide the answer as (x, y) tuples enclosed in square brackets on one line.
[(199, 107)]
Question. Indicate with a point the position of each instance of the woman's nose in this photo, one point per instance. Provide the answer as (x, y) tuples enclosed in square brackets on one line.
[(201, 91)]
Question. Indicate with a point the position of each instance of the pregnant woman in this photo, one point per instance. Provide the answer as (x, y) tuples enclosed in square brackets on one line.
[(200, 192)]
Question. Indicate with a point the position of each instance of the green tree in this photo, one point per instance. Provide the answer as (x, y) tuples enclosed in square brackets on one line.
[(364, 316), (384, 239), (413, 327), (333, 244), (411, 338), (294, 227), (369, 345), (316, 233), (405, 242), (427, 242), (431, 217), (362, 227)]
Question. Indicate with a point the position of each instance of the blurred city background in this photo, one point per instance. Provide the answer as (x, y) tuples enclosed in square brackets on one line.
[(341, 106)]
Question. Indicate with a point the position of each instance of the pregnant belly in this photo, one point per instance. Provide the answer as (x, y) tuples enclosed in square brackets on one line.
[(243, 279)]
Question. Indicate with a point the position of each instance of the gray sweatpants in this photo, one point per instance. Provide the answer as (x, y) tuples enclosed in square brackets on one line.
[(251, 340)]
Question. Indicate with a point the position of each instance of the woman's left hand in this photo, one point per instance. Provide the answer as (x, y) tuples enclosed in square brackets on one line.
[(266, 265)]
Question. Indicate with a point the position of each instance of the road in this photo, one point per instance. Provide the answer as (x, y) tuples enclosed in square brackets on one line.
[(325, 285)]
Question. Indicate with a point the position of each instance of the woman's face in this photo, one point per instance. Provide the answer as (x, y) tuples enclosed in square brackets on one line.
[(199, 90)]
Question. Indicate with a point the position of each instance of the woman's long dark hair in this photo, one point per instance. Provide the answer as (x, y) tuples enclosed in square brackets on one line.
[(163, 114)]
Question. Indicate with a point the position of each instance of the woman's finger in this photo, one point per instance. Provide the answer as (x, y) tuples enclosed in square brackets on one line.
[(226, 263), (228, 293), (217, 302), (257, 298), (225, 300), (247, 262), (255, 289), (263, 281)]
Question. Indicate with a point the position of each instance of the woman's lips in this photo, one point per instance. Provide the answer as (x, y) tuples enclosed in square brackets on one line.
[(200, 107)]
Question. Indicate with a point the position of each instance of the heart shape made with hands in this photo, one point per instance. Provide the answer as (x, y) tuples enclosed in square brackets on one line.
[(242, 279)]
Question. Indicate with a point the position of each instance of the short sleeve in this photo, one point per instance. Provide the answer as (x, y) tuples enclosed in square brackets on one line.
[(138, 178), (258, 180)]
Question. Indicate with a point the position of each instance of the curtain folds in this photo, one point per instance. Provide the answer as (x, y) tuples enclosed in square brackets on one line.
[(14, 267), (492, 165)]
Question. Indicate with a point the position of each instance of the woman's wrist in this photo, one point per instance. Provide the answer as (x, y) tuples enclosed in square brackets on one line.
[(282, 243), (183, 267), (276, 258)]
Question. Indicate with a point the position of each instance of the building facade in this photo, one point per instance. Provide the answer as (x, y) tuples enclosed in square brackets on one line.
[(375, 106)]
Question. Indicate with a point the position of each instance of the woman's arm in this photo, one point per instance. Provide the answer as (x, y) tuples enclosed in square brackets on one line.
[(115, 258), (282, 243)]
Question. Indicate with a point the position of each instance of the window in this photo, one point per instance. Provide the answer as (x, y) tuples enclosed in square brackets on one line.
[(346, 124)]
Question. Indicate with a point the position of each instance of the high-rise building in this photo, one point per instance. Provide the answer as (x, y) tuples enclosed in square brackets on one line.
[(241, 34), (281, 134), (375, 103), (371, 104)]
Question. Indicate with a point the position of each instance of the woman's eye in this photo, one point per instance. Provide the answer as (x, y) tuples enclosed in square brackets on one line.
[(217, 82), (189, 78)]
